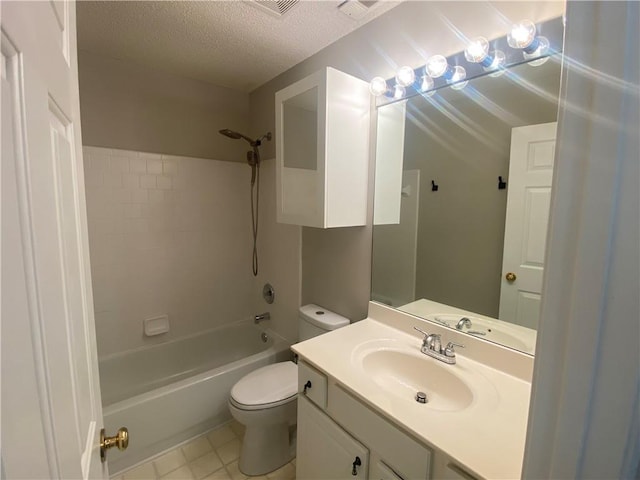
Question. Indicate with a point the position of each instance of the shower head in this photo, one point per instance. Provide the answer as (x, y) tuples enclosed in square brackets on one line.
[(236, 136)]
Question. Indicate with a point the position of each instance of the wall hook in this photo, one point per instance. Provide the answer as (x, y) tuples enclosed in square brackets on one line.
[(501, 185), (434, 187)]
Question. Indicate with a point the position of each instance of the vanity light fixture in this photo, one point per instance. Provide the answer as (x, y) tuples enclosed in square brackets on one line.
[(426, 86), (477, 51), (405, 76), (437, 66), (523, 36), (378, 86), (398, 92)]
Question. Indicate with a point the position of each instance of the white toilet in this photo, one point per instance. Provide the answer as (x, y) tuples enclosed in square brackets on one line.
[(265, 400)]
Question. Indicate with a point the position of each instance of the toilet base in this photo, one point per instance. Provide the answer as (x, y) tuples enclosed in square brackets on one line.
[(266, 449)]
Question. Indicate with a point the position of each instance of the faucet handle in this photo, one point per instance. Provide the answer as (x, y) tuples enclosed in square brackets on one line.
[(449, 351), (421, 331)]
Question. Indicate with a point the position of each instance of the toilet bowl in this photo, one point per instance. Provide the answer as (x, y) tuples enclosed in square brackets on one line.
[(265, 401)]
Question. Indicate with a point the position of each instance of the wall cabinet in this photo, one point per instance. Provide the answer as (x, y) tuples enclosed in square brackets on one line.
[(322, 150)]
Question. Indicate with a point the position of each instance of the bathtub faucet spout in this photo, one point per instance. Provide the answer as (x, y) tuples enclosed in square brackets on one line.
[(262, 316)]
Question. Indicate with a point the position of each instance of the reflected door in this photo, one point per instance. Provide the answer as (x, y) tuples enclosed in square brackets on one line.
[(528, 200)]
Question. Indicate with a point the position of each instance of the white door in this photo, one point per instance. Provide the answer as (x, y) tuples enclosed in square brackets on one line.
[(51, 410), (528, 200)]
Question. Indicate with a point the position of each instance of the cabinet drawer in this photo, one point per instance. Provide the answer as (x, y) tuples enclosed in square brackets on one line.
[(404, 455), (315, 382)]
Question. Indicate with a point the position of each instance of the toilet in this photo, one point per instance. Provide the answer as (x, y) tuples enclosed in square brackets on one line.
[(265, 401)]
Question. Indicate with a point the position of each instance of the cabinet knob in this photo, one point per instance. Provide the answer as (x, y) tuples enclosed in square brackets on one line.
[(306, 386), (356, 463)]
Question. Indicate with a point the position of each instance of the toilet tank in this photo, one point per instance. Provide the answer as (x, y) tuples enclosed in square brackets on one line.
[(314, 320)]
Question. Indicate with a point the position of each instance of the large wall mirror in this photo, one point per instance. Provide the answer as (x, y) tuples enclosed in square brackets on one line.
[(464, 236)]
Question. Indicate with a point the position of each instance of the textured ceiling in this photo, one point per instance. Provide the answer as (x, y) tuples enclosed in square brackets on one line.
[(227, 43)]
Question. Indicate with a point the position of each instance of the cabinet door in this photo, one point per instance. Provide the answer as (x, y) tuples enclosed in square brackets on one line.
[(324, 450)]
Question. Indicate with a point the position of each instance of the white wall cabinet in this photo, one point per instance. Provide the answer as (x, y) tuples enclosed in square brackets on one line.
[(322, 150)]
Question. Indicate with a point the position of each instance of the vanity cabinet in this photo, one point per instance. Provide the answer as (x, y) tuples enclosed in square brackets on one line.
[(322, 150), (331, 439)]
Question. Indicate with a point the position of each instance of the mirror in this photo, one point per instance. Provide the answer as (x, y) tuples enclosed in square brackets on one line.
[(463, 233)]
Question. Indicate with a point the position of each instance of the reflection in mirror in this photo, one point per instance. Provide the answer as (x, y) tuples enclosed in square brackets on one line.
[(466, 237)]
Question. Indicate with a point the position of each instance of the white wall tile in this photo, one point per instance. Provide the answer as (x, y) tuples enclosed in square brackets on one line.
[(156, 250), (154, 166), (148, 181), (164, 182), (138, 165)]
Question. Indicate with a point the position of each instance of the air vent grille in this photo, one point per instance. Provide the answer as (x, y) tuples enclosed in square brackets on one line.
[(275, 7)]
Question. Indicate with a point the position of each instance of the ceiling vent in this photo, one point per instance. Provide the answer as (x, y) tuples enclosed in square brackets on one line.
[(277, 8), (356, 9)]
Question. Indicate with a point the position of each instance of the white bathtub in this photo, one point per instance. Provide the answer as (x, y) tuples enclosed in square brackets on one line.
[(168, 393)]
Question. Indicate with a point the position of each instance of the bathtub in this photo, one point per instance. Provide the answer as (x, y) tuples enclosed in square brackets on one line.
[(171, 392)]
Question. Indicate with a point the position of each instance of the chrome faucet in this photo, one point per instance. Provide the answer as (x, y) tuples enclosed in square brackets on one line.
[(262, 316), (463, 322), (432, 346)]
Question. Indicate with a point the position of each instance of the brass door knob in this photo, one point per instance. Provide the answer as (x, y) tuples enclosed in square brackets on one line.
[(511, 277), (120, 440)]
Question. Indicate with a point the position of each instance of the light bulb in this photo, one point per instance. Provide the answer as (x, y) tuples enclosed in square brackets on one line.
[(405, 76), (522, 34), (477, 50), (398, 92), (459, 74), (378, 86), (427, 83), (436, 66), (542, 47), (497, 65)]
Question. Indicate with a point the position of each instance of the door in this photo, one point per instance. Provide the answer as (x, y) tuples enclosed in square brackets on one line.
[(51, 410), (326, 451), (528, 201)]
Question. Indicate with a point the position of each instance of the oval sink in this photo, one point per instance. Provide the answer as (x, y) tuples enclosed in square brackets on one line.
[(404, 374)]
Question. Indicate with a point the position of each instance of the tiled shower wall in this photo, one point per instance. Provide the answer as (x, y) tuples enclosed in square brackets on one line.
[(168, 235)]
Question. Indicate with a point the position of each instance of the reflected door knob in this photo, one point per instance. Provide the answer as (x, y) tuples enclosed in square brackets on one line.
[(511, 277), (120, 440)]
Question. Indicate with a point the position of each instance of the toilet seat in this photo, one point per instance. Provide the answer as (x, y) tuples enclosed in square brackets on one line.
[(266, 387)]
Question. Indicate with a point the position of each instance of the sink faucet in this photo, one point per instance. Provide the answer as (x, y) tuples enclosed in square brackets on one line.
[(262, 316), (463, 322), (432, 346)]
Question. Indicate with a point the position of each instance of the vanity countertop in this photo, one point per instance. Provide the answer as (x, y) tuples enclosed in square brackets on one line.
[(487, 437)]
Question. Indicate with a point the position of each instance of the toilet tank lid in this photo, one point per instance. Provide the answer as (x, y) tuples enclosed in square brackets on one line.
[(323, 318)]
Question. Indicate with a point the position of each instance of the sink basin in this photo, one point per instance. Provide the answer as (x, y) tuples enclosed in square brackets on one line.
[(404, 374)]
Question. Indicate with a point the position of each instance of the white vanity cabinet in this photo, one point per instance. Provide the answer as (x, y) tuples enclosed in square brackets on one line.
[(322, 150), (330, 440)]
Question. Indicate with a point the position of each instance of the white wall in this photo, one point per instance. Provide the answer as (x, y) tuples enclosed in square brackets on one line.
[(168, 235)]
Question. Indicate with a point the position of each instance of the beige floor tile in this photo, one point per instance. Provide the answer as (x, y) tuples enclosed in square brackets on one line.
[(169, 461), (293, 462), (182, 473), (221, 474), (205, 465), (287, 472), (229, 452), (196, 448), (234, 471), (261, 477), (237, 428), (141, 472), (221, 435)]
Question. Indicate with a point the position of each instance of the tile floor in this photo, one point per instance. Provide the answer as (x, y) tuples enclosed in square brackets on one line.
[(213, 456)]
